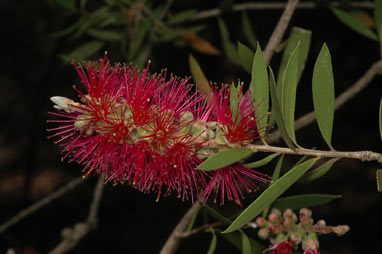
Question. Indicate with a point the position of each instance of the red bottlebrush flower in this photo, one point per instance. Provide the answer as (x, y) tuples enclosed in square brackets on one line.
[(280, 248), (152, 133), (312, 251)]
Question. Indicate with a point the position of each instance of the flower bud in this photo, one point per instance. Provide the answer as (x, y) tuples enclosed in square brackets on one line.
[(295, 238), (288, 213), (305, 212), (341, 230), (263, 233), (261, 222), (276, 229)]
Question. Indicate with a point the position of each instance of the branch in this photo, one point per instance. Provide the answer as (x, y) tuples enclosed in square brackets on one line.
[(279, 31), (72, 236), (41, 203), (358, 86), (187, 234), (360, 155), (173, 240), (274, 6)]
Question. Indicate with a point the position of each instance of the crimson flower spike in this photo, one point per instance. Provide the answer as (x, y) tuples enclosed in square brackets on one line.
[(151, 132)]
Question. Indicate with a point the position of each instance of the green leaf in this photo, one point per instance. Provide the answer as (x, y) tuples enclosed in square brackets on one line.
[(236, 239), (380, 118), (172, 34), (378, 16), (260, 88), (70, 29), (194, 216), (67, 4), (318, 172), (354, 23), (270, 195), (234, 99), (248, 30), (106, 35), (246, 56), (277, 111), (138, 38), (261, 162), (216, 214), (323, 94), (379, 180), (224, 158), (246, 244), (83, 52), (297, 36), (301, 201), (228, 47), (180, 17), (213, 243), (198, 76), (275, 177), (288, 93)]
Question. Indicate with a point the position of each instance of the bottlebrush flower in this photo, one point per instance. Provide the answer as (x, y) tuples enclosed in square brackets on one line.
[(280, 248), (152, 132)]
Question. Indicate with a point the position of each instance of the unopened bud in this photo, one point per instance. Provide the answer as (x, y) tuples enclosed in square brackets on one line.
[(341, 230), (305, 212), (263, 233), (295, 237), (288, 213), (274, 217), (261, 222), (276, 229), (287, 222), (321, 223)]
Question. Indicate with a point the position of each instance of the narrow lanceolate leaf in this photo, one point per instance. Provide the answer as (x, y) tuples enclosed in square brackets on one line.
[(234, 98), (245, 243), (228, 47), (276, 109), (216, 214), (288, 93), (236, 239), (106, 35), (248, 30), (212, 248), (270, 195), (224, 158), (378, 16), (379, 180), (139, 37), (194, 216), (260, 88), (261, 162), (297, 36), (300, 201), (83, 52), (380, 118), (198, 76), (354, 23), (318, 172), (245, 56), (275, 177), (323, 93), (180, 17)]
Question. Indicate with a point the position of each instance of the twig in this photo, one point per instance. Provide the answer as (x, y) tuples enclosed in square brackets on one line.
[(48, 199), (173, 240), (279, 31), (187, 234), (72, 236), (309, 118), (360, 155), (274, 6)]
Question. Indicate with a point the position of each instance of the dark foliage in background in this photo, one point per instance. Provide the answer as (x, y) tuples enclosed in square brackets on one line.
[(129, 221)]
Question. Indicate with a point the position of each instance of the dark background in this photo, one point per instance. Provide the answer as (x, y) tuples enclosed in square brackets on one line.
[(129, 221)]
